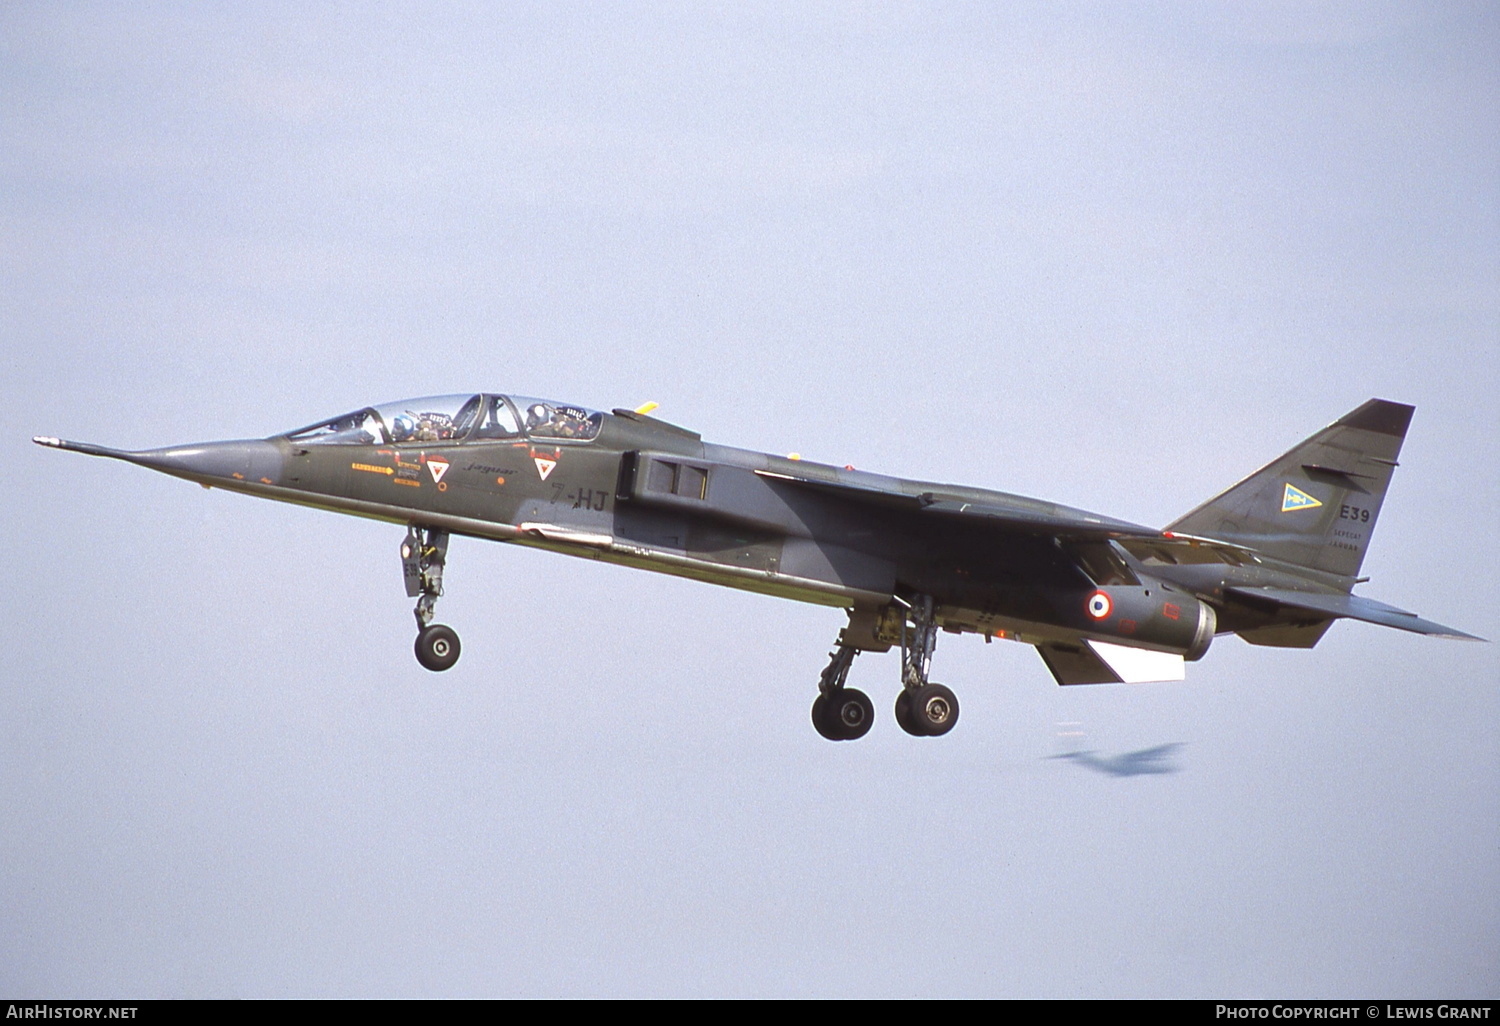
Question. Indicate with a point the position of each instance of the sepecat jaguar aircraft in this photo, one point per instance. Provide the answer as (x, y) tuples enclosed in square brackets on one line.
[(1274, 559)]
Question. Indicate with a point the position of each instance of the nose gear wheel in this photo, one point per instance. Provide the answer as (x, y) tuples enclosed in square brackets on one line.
[(437, 647)]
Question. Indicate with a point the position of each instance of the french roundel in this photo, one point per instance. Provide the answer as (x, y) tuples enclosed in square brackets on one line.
[(1099, 605)]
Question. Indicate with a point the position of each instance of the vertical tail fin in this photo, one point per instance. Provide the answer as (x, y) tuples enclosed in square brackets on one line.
[(1315, 506)]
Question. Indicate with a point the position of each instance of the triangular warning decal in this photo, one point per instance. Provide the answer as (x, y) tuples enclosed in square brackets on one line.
[(1295, 498), (543, 467), (437, 467)]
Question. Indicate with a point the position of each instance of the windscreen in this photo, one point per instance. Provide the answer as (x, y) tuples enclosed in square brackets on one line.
[(454, 418)]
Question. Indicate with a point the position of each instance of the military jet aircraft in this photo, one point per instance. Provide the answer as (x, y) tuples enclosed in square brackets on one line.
[(1274, 559)]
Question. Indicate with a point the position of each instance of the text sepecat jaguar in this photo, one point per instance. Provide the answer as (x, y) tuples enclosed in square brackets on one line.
[(1274, 559)]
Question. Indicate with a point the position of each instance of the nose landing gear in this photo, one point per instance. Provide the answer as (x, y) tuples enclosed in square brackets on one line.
[(423, 554)]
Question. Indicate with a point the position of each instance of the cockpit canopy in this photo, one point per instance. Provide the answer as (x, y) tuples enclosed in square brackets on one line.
[(454, 418)]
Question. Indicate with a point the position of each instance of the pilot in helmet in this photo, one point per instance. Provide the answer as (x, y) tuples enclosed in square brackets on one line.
[(403, 427)]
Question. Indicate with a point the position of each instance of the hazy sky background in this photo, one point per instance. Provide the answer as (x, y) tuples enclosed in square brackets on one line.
[(1115, 255)]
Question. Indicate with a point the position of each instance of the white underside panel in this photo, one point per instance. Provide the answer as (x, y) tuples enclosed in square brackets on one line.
[(1139, 665)]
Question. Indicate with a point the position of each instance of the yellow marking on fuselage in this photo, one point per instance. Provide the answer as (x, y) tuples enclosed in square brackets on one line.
[(370, 468)]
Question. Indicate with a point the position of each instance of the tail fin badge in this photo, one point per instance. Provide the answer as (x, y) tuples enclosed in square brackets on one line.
[(1295, 498)]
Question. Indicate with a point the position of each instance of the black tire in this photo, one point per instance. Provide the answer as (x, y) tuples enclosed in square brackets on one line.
[(903, 714), (822, 722), (843, 715), (934, 709), (851, 713), (437, 647)]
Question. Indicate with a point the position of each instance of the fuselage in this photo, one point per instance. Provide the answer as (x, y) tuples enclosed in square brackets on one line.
[(632, 490)]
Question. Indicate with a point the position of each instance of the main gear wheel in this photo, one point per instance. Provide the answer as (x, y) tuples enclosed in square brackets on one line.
[(843, 714)]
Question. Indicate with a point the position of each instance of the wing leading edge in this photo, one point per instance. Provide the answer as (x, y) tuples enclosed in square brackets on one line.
[(1028, 516)]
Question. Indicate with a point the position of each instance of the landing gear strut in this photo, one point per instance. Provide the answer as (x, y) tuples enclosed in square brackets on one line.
[(841, 713), (422, 556), (923, 709)]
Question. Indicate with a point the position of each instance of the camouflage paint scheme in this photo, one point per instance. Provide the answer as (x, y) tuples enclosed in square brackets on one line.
[(1273, 559)]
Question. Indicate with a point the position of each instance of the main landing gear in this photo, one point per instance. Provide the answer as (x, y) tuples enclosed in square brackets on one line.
[(422, 556), (840, 713), (923, 709)]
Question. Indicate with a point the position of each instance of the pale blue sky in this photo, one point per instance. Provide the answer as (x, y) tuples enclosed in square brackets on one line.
[(1112, 255)]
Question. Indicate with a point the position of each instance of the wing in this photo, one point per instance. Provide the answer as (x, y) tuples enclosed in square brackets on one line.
[(1013, 513), (1021, 515)]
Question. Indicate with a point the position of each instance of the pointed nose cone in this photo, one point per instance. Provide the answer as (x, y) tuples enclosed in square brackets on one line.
[(254, 461)]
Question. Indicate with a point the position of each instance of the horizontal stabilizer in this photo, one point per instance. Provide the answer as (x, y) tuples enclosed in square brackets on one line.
[(1098, 662), (1352, 607)]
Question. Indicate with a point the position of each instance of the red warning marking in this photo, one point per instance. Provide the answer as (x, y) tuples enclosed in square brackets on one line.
[(1170, 611), (437, 467)]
